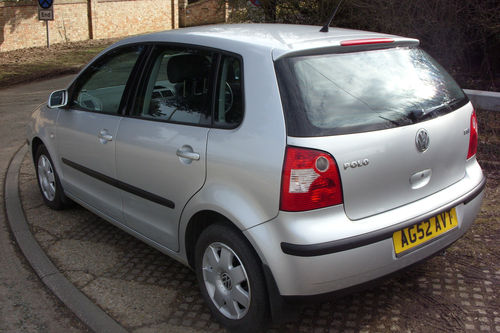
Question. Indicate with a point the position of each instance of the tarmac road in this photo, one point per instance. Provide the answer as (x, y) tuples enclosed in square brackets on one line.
[(25, 303)]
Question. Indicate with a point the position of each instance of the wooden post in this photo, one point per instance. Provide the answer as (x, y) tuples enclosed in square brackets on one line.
[(182, 12), (174, 14), (47, 26), (90, 19)]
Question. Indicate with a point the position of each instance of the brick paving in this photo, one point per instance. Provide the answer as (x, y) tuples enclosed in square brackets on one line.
[(455, 291)]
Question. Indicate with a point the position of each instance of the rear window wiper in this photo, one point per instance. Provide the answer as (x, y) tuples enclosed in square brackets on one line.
[(401, 118), (420, 114)]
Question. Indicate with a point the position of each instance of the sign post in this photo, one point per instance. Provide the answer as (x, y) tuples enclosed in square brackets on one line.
[(46, 13)]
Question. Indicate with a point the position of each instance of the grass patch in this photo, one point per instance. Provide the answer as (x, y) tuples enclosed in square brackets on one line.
[(30, 64)]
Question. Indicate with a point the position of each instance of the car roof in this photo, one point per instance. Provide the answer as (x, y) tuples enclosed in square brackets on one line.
[(279, 39)]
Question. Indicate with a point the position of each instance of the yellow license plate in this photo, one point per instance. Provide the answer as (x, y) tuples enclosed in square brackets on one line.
[(423, 232)]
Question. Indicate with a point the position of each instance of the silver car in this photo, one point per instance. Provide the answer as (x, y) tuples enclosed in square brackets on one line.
[(277, 161)]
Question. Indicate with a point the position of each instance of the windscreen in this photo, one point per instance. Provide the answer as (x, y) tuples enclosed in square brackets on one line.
[(356, 92)]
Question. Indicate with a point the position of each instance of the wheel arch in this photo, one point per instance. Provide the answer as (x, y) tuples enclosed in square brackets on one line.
[(35, 143), (280, 311), (198, 223)]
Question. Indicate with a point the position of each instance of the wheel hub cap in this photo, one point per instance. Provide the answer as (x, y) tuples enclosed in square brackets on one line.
[(226, 280), (46, 178)]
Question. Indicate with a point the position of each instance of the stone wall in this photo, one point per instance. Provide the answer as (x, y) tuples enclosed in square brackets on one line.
[(203, 12), (20, 27), (76, 20), (117, 18)]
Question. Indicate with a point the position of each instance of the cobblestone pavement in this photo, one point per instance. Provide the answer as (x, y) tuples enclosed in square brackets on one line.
[(146, 291)]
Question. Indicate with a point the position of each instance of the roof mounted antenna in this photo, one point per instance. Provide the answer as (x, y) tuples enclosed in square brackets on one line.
[(325, 27)]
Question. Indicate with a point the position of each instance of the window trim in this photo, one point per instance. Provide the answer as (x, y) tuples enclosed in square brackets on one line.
[(242, 87), (128, 85), (145, 72)]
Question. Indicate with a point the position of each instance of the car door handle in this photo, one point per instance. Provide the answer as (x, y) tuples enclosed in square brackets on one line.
[(104, 136), (188, 154)]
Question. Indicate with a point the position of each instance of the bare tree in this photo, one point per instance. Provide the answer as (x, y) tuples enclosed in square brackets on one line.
[(463, 35)]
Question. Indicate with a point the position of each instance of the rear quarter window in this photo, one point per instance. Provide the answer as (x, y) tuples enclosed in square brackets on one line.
[(356, 92)]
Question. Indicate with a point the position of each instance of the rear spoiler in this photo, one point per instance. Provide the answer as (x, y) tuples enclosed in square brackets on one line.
[(344, 45)]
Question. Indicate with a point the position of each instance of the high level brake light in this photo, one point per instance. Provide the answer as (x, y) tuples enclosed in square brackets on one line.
[(365, 41), (310, 180), (473, 137)]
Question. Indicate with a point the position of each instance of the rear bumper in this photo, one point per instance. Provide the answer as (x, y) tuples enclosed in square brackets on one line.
[(323, 251), (345, 244)]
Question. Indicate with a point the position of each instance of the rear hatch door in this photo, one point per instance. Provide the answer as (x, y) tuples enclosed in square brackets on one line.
[(393, 119)]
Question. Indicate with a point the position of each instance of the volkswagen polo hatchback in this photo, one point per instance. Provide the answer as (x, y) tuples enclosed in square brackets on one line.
[(276, 161)]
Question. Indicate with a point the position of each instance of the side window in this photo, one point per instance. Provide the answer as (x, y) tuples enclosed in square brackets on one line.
[(101, 86), (229, 103), (178, 87)]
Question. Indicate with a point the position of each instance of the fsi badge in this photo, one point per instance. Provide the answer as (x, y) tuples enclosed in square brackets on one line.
[(45, 10)]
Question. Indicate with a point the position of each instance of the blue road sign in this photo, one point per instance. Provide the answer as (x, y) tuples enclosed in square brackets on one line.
[(45, 4)]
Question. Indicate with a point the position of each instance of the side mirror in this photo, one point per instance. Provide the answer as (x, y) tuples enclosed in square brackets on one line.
[(58, 99)]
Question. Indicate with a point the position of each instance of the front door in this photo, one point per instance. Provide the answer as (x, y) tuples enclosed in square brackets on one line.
[(86, 131)]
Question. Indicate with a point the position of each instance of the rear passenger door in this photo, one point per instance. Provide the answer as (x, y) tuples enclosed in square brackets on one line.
[(161, 145)]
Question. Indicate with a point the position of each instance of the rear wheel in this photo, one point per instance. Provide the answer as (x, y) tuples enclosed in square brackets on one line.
[(231, 279), (48, 180)]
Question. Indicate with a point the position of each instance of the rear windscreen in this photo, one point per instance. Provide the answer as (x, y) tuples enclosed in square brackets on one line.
[(364, 91)]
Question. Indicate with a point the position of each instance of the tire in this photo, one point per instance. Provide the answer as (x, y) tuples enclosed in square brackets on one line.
[(231, 279), (48, 180)]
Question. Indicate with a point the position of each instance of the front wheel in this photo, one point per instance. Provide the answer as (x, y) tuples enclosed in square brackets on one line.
[(48, 180), (231, 279)]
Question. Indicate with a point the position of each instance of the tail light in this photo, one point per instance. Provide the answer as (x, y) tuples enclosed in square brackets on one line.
[(473, 135), (310, 180)]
